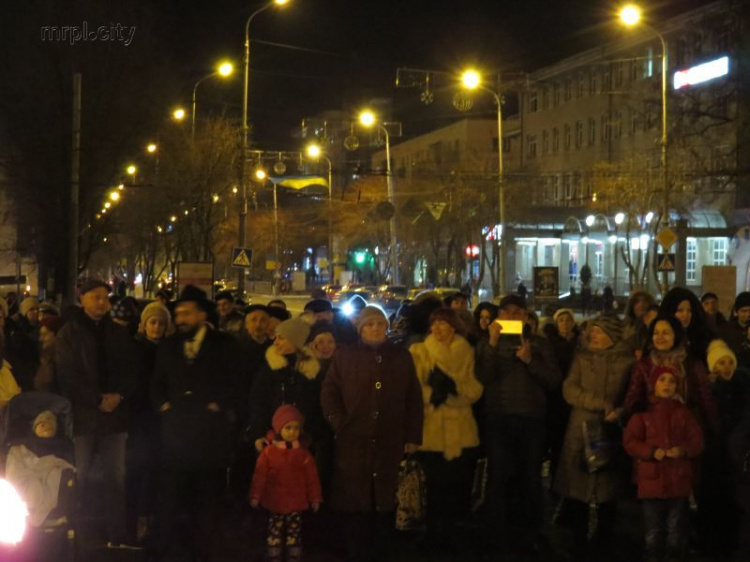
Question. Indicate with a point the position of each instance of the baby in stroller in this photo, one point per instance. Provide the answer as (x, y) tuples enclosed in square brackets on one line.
[(40, 459)]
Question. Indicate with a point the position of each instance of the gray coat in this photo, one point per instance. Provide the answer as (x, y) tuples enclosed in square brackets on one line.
[(596, 379)]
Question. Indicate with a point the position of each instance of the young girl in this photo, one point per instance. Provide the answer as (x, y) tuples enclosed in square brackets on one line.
[(285, 483), (663, 441)]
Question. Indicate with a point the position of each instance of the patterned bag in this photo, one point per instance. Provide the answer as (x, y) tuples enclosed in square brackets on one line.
[(411, 496)]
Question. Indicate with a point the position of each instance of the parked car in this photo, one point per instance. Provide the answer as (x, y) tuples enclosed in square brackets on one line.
[(332, 291), (390, 296)]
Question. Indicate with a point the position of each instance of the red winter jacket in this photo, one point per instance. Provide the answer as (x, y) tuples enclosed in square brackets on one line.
[(285, 479), (667, 424)]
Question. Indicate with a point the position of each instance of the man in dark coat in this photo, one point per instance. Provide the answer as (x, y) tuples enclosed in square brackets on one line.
[(734, 332), (194, 389), (96, 370), (230, 320), (373, 402), (516, 381), (22, 343)]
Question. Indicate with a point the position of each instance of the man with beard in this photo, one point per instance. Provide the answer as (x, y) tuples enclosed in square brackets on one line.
[(193, 388)]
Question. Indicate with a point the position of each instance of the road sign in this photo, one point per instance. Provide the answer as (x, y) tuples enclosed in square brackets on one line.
[(666, 238), (242, 257), (666, 262), (435, 208)]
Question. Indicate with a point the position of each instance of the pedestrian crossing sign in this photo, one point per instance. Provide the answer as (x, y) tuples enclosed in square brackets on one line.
[(666, 262), (242, 257)]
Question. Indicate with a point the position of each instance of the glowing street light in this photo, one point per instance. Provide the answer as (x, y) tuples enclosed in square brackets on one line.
[(315, 152), (224, 70), (107, 205), (121, 186), (173, 218), (590, 220), (367, 119), (260, 174), (619, 218), (630, 15), (179, 114), (131, 170), (151, 148), (114, 196), (472, 80)]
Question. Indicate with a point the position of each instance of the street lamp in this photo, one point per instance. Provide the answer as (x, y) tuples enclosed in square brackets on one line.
[(224, 70), (178, 114), (367, 119), (631, 16), (315, 152), (472, 80), (114, 196), (151, 148), (245, 130), (132, 170)]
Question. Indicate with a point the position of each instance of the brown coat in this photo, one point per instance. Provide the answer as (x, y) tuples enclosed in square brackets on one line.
[(372, 399), (597, 379)]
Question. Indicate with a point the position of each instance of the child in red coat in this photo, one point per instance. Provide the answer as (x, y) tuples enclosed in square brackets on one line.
[(663, 441), (285, 483)]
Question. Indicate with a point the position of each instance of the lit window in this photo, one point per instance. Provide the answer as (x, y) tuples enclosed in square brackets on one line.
[(719, 251), (691, 252)]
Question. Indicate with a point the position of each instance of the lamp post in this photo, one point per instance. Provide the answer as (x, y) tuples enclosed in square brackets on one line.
[(472, 80), (245, 129), (224, 70), (315, 152), (631, 16), (368, 119)]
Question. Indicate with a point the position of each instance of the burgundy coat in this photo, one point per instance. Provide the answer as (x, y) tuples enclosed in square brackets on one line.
[(285, 480), (667, 424), (372, 399)]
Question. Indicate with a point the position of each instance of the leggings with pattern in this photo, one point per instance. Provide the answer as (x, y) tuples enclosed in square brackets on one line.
[(284, 529)]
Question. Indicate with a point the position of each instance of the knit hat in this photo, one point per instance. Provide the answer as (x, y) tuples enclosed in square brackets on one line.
[(560, 311), (52, 323), (449, 316), (718, 349), (159, 310), (659, 371), (742, 300), (255, 307), (320, 327), (91, 284), (285, 414), (28, 304), (515, 300), (294, 330), (318, 305), (45, 416), (368, 312), (224, 295), (610, 325)]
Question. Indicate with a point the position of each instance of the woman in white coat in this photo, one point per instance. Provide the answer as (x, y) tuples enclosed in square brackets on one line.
[(445, 368)]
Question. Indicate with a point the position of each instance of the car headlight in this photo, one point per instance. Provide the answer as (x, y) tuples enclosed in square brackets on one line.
[(347, 308), (13, 514)]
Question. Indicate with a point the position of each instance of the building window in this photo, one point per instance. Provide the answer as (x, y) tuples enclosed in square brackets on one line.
[(532, 101), (691, 251), (592, 132), (605, 129), (554, 192), (633, 70), (606, 81), (719, 251), (531, 145), (568, 187), (579, 89), (568, 89), (592, 83), (579, 134), (555, 94), (617, 125), (566, 141), (545, 97), (619, 74), (633, 122), (545, 142), (599, 264), (555, 139)]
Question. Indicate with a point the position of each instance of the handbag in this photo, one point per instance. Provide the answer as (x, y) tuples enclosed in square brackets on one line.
[(411, 496), (602, 445)]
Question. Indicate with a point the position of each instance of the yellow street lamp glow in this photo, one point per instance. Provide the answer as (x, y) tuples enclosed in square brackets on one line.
[(367, 118), (471, 79), (173, 218), (159, 229), (151, 148), (281, 2), (630, 15), (215, 198), (131, 170), (104, 211), (260, 174), (234, 189), (114, 196), (314, 151), (121, 186), (186, 212), (226, 69), (178, 114), (107, 205)]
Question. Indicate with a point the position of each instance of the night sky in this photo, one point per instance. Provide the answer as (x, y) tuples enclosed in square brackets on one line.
[(340, 53)]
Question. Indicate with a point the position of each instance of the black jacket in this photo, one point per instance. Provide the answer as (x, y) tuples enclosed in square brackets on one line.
[(511, 386), (192, 436), (78, 371)]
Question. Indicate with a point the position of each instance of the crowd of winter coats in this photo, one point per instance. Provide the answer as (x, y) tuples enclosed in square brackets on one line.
[(491, 417)]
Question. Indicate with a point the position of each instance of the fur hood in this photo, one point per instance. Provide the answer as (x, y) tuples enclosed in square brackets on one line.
[(307, 365), (453, 359)]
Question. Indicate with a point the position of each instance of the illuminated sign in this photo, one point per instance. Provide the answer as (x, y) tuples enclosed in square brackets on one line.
[(701, 73)]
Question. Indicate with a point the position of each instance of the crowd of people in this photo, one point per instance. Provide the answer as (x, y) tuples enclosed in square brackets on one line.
[(190, 402)]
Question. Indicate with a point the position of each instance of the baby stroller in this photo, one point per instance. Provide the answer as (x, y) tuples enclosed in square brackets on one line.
[(16, 429)]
